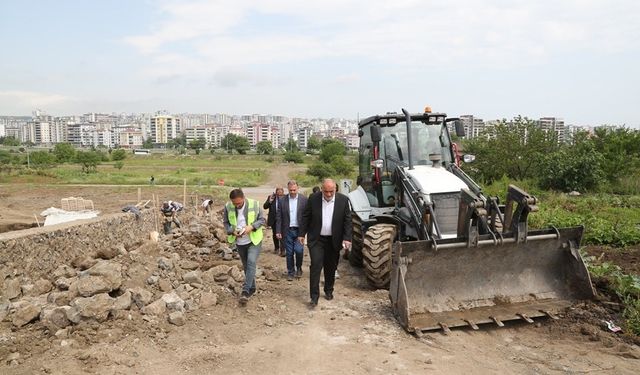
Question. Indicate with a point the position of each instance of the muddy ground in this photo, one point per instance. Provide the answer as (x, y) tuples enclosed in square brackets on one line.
[(276, 332)]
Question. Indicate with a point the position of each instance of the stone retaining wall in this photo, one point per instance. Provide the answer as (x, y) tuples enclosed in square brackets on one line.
[(38, 251)]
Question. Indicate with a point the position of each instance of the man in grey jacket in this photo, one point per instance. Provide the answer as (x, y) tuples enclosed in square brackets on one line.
[(288, 219)]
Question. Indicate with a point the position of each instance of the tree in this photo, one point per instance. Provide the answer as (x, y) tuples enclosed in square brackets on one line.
[(341, 165), (148, 143), (119, 154), (198, 144), (331, 148), (313, 143), (514, 149), (294, 157), (291, 146), (573, 168), (264, 147), (42, 159), (9, 141), (89, 160), (321, 170), (235, 142), (64, 152)]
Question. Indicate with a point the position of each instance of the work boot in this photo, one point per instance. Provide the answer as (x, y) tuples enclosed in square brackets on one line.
[(298, 273), (244, 298)]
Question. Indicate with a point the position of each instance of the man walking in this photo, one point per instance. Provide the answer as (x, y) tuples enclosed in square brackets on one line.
[(288, 221), (272, 204), (243, 223), (327, 223)]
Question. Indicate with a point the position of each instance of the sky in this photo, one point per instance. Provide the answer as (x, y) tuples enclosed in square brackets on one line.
[(574, 59)]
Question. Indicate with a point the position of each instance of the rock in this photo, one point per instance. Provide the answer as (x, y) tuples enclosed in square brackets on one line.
[(156, 308), (62, 333), (64, 271), (60, 298), (236, 274), (141, 297), (96, 307), (165, 264), (42, 286), (124, 301), (63, 283), (25, 314), (218, 273), (12, 289), (12, 358), (83, 262), (73, 314), (54, 318), (203, 250), (88, 286), (27, 290), (210, 243), (173, 302), (183, 291), (153, 280), (110, 271), (187, 264), (192, 277), (574, 193), (164, 285), (208, 299), (190, 305), (177, 318), (108, 253), (270, 276), (4, 310)]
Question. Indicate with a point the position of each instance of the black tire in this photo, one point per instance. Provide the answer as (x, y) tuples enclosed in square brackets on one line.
[(355, 254), (377, 254)]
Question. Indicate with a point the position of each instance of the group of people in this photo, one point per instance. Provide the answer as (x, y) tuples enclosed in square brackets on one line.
[(324, 219)]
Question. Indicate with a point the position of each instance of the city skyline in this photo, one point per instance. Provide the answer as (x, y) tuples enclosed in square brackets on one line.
[(337, 59)]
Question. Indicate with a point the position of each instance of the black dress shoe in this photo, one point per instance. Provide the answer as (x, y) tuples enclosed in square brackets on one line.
[(328, 296), (313, 303)]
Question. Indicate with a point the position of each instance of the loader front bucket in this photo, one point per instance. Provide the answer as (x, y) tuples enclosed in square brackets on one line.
[(451, 285)]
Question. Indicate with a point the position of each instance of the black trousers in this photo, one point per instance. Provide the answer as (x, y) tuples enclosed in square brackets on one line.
[(276, 242), (323, 256)]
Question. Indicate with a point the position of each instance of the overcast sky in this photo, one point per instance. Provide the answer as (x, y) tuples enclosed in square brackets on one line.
[(574, 59)]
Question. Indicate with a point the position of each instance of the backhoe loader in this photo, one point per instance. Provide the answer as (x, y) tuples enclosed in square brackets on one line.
[(450, 255)]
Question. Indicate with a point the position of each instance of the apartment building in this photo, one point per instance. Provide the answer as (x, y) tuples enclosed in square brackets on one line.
[(164, 128)]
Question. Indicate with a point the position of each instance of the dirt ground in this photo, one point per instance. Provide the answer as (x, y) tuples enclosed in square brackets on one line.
[(355, 333)]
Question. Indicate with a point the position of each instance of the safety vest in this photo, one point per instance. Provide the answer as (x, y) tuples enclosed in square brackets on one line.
[(254, 209)]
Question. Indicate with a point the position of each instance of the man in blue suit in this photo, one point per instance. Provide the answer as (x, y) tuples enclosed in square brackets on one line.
[(288, 220)]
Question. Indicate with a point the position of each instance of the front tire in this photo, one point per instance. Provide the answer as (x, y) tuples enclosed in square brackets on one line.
[(377, 254), (355, 254)]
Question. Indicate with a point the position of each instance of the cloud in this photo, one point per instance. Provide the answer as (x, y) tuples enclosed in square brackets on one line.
[(29, 100), (204, 37)]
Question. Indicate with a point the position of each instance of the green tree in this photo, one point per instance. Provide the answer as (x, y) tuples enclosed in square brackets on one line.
[(9, 141), (119, 154), (576, 167), (313, 143), (294, 157), (64, 152), (264, 147), (514, 149), (330, 148), (89, 160), (341, 165), (291, 146), (620, 147), (198, 144), (235, 142), (42, 159), (321, 170), (147, 143)]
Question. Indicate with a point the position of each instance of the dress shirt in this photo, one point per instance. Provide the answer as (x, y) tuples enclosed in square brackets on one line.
[(327, 215)]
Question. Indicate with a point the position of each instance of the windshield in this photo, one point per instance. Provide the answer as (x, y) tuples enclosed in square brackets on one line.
[(426, 139)]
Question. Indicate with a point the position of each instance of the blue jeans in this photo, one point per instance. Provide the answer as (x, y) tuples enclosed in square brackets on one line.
[(249, 255), (292, 248)]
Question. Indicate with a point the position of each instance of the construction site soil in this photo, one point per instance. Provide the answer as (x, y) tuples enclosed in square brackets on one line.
[(355, 333)]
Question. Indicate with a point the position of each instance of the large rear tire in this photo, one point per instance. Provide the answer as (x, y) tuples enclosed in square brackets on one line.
[(355, 254), (377, 254)]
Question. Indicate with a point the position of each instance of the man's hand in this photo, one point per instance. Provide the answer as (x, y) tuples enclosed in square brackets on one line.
[(301, 240), (279, 236), (346, 245), (248, 229)]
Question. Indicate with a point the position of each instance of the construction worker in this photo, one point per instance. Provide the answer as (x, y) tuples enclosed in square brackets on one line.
[(243, 222), (170, 210)]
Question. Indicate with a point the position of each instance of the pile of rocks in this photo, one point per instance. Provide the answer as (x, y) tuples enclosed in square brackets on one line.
[(159, 281)]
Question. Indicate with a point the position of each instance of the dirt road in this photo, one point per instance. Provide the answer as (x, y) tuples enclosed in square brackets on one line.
[(276, 332)]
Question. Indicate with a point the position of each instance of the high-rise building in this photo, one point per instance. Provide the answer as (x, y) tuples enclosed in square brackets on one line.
[(553, 124), (164, 128)]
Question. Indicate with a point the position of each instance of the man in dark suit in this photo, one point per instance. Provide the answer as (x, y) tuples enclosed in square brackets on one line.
[(288, 221), (327, 223), (271, 204)]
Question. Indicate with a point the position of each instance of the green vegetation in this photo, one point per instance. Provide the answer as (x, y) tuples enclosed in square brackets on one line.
[(332, 161), (626, 288)]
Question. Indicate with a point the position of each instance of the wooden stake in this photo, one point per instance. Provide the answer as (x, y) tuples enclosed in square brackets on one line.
[(139, 194), (184, 193), (37, 222)]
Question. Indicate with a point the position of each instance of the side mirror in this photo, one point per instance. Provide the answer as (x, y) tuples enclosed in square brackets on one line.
[(459, 128), (468, 158), (375, 134)]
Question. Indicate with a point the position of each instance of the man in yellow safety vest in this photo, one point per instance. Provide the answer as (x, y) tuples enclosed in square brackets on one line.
[(243, 222)]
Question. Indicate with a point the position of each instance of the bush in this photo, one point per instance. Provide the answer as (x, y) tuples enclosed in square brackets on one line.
[(119, 154), (118, 165), (576, 168), (294, 156), (321, 170)]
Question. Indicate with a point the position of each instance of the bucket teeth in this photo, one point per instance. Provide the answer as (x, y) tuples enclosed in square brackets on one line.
[(445, 328), (497, 321), (472, 324), (525, 317), (550, 314)]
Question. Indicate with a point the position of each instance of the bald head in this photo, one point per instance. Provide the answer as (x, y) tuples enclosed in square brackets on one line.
[(328, 189)]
